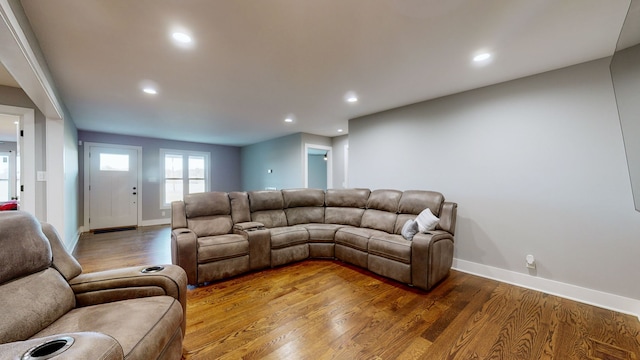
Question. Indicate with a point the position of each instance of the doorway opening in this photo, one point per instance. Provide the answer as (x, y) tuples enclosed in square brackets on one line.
[(318, 164), (9, 159), (17, 161)]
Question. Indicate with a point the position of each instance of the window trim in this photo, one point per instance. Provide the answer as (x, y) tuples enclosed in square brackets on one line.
[(185, 172)]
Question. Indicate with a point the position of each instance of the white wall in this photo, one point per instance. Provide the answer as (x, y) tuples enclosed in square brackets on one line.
[(72, 214), (537, 166), (340, 163)]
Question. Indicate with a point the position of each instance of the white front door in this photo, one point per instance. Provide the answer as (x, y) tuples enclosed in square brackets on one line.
[(113, 187)]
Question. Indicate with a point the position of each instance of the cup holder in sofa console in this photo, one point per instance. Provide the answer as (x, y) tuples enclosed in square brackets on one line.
[(152, 269), (49, 349)]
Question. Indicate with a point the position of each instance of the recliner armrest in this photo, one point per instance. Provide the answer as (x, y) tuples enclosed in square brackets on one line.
[(431, 258), (86, 345), (184, 252), (448, 216), (130, 283)]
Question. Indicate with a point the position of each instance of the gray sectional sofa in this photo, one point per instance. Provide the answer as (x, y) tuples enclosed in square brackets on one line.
[(216, 235)]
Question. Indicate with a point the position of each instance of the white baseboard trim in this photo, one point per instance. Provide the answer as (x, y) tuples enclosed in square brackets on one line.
[(155, 222), (572, 292)]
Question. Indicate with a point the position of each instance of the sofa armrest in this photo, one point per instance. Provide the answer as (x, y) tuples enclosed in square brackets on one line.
[(130, 283), (448, 215), (259, 243), (431, 258), (84, 345), (184, 252), (248, 226)]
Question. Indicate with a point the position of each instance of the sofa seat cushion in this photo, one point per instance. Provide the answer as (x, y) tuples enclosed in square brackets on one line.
[(394, 247), (357, 238), (286, 236), (143, 326), (322, 232), (221, 247)]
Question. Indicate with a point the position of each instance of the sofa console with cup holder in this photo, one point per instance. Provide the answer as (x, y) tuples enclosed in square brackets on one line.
[(406, 236), (51, 309)]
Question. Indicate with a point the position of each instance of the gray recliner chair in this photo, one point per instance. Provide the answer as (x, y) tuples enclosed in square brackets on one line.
[(50, 309)]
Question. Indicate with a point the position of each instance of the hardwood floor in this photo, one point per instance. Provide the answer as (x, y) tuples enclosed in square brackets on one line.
[(320, 309)]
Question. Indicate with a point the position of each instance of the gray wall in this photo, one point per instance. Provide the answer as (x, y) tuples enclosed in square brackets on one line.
[(283, 155), (537, 166), (625, 72), (16, 97), (225, 166), (317, 172)]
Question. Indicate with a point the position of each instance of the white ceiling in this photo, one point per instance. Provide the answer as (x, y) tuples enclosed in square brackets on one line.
[(255, 62)]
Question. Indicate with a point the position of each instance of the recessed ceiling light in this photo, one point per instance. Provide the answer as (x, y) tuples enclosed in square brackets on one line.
[(288, 120), (351, 97), (482, 57), (149, 90), (181, 37), (340, 130)]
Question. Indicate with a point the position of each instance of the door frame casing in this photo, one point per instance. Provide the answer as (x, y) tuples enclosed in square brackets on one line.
[(87, 177)]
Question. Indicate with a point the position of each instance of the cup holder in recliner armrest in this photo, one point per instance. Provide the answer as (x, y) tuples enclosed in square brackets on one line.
[(49, 349), (152, 269)]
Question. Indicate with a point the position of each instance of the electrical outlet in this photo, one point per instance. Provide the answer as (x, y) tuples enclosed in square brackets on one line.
[(163, 213), (530, 261)]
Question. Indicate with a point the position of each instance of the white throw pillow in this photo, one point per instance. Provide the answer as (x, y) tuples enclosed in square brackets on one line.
[(426, 220), (409, 229)]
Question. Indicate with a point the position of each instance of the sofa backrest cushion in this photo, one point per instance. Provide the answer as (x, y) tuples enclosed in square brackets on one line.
[(240, 207), (32, 303), (32, 293), (207, 204), (381, 212), (413, 202), (345, 206), (208, 213), (354, 198), (302, 197), (25, 248), (303, 206), (267, 207)]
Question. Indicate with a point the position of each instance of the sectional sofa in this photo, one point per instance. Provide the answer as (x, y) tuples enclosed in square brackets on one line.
[(216, 235)]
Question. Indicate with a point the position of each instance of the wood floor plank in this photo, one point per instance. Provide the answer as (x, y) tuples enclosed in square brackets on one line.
[(324, 309)]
